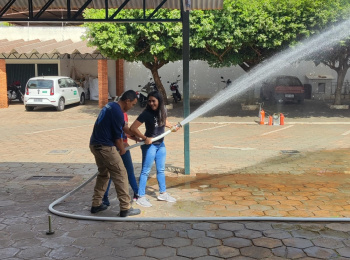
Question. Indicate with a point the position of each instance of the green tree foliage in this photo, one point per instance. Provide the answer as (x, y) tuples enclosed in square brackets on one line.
[(247, 32), (154, 44)]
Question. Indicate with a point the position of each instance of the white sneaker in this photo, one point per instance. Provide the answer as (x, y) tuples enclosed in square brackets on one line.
[(166, 196), (144, 202)]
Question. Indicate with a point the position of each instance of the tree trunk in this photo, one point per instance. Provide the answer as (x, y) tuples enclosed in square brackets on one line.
[(154, 67), (340, 82), (159, 85)]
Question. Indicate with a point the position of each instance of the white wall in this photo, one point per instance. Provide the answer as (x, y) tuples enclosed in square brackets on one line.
[(28, 33), (204, 81)]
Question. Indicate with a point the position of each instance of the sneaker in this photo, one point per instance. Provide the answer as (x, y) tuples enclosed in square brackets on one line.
[(105, 201), (129, 212), (144, 202), (99, 208), (136, 197), (166, 196)]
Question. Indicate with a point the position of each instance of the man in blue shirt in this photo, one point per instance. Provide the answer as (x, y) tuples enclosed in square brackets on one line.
[(106, 144)]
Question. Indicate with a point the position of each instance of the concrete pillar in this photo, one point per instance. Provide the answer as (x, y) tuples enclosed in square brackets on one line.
[(119, 64), (102, 83), (3, 85)]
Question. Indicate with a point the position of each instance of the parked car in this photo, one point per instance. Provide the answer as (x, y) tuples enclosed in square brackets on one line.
[(52, 91), (283, 88)]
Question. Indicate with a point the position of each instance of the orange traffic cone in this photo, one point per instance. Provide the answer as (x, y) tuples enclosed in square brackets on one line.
[(262, 117), (281, 119), (270, 120)]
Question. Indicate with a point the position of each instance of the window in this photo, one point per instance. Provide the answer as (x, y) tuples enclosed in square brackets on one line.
[(321, 88)]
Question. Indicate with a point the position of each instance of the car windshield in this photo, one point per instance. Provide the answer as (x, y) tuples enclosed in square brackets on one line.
[(288, 81), (40, 84)]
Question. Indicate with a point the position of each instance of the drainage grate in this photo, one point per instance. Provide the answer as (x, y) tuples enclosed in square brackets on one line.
[(290, 151), (49, 178), (59, 152)]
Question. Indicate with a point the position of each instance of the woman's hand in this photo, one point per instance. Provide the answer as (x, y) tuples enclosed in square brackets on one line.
[(174, 128), (148, 140)]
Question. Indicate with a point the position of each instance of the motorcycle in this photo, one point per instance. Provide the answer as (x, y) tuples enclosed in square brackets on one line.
[(227, 82), (145, 90), (14, 92), (174, 87)]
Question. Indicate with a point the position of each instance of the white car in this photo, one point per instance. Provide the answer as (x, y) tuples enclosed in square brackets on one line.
[(52, 91)]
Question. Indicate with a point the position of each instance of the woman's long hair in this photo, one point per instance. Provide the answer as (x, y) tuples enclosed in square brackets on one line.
[(161, 112)]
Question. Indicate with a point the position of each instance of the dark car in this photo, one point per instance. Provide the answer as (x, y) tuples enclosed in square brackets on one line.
[(282, 89)]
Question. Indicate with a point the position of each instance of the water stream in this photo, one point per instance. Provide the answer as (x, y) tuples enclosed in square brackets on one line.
[(271, 66)]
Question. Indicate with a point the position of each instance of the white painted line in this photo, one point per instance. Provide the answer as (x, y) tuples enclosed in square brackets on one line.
[(284, 128), (235, 148), (207, 129), (56, 129), (346, 133), (285, 123)]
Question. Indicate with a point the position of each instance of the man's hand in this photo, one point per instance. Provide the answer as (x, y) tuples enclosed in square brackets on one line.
[(122, 151)]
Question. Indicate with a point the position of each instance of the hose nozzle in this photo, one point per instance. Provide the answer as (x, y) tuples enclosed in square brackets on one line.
[(176, 127)]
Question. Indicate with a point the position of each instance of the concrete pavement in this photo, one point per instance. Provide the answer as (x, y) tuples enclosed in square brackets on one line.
[(238, 169)]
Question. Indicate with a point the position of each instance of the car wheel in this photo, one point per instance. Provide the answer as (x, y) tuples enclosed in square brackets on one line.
[(29, 108), (60, 106), (82, 99)]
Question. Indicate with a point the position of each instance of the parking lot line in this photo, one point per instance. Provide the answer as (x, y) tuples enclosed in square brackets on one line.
[(284, 128), (346, 133), (207, 129), (56, 129)]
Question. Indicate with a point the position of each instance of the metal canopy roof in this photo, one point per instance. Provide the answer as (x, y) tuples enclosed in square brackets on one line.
[(71, 10)]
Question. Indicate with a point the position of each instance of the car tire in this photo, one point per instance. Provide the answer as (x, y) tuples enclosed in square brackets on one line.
[(82, 99), (60, 106), (29, 108)]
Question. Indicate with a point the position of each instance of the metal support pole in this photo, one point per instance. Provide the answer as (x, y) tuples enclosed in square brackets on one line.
[(186, 86)]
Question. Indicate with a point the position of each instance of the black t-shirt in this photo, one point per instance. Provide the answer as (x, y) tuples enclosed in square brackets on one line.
[(153, 129)]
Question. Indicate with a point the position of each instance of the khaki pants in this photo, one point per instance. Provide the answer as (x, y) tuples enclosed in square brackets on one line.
[(110, 165)]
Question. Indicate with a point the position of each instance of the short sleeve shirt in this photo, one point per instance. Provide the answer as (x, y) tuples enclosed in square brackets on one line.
[(108, 126), (153, 129)]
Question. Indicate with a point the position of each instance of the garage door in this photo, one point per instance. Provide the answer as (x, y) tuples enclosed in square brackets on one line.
[(19, 72)]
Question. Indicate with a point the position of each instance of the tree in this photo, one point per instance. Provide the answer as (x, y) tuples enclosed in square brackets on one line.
[(154, 44), (247, 32), (337, 58), (243, 33)]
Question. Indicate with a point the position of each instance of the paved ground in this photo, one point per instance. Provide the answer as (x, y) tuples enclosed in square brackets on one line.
[(241, 173)]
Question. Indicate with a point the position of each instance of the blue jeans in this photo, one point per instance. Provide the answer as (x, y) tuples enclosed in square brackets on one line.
[(151, 153), (130, 170)]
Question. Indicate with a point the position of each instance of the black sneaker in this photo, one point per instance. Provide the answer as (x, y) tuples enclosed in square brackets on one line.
[(129, 212), (99, 208)]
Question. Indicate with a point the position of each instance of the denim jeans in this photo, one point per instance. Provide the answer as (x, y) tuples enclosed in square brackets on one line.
[(130, 170), (151, 153)]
